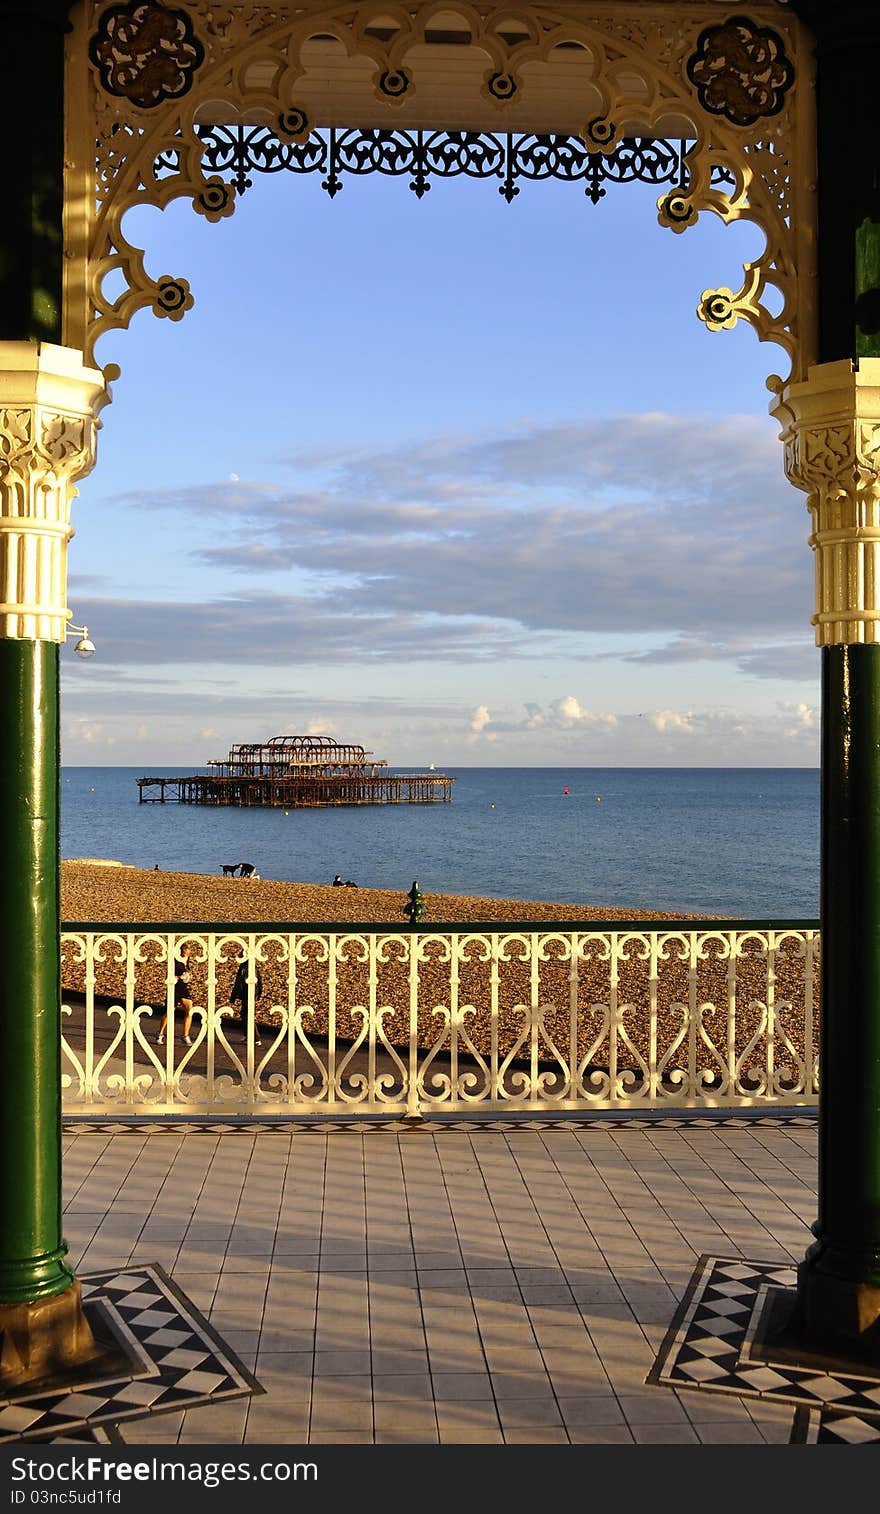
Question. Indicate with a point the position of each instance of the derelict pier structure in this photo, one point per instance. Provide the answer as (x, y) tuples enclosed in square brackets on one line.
[(297, 772)]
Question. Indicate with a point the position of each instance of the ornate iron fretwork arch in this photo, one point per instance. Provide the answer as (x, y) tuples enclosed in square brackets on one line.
[(193, 99)]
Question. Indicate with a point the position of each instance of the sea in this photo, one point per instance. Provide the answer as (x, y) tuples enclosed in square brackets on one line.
[(738, 842)]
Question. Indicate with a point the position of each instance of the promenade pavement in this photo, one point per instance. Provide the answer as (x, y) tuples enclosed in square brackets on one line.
[(506, 1282)]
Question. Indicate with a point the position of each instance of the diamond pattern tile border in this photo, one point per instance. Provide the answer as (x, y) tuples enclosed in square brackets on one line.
[(182, 1362), (102, 1435), (591, 1123), (708, 1347), (817, 1427)]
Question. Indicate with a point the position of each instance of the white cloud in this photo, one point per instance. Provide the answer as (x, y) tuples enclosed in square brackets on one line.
[(90, 733), (676, 536), (672, 720), (470, 547), (804, 718), (479, 725), (568, 712), (154, 723), (565, 714)]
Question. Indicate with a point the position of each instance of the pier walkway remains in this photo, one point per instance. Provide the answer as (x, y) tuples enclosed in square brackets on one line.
[(297, 772)]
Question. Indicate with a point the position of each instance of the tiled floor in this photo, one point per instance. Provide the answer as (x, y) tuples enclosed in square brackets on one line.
[(447, 1283)]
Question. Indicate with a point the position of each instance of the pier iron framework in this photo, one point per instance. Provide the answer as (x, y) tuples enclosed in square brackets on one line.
[(125, 107), (297, 772)]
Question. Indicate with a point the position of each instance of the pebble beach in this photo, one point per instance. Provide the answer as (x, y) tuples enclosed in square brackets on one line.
[(101, 892)]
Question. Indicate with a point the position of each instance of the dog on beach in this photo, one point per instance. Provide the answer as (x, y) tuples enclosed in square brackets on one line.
[(229, 869)]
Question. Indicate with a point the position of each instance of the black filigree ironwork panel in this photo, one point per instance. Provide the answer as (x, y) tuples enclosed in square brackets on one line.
[(146, 53), (238, 152), (741, 71)]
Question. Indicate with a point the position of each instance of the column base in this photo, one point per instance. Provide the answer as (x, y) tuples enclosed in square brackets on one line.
[(837, 1313), (40, 1339)]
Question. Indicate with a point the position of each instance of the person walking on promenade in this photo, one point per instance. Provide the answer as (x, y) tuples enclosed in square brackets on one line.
[(182, 995), (247, 993)]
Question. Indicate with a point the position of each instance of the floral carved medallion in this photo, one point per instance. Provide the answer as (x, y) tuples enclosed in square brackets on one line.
[(146, 52), (740, 71)]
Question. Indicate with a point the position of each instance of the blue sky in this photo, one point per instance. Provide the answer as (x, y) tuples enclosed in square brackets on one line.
[(465, 481)]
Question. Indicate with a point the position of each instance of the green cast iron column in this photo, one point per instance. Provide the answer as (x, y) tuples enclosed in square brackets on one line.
[(31, 1245), (845, 1260), (839, 1279)]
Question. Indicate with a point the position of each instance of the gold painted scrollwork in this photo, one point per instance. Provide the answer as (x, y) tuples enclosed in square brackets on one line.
[(830, 431), (48, 423)]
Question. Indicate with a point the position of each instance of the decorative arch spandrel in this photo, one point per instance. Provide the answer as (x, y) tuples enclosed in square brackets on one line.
[(143, 77)]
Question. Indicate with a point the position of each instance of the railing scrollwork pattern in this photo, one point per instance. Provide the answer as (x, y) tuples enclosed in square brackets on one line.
[(447, 1019)]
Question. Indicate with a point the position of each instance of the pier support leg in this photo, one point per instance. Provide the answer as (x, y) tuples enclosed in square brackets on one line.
[(48, 407)]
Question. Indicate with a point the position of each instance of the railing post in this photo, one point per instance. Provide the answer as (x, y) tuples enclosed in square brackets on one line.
[(413, 1107)]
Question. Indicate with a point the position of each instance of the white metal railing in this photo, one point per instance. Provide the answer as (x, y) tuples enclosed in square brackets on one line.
[(444, 1019)]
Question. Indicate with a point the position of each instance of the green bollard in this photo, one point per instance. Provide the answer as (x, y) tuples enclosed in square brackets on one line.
[(415, 908)]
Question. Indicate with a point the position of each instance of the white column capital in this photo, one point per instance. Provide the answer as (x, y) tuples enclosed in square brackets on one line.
[(831, 435), (49, 407)]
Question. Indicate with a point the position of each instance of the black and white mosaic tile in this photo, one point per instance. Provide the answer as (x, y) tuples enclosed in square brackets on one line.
[(176, 1360), (102, 1435), (711, 1346), (217, 1127), (825, 1427), (590, 1123)]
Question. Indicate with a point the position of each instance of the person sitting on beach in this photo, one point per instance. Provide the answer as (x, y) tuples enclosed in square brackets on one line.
[(181, 996), (337, 881)]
